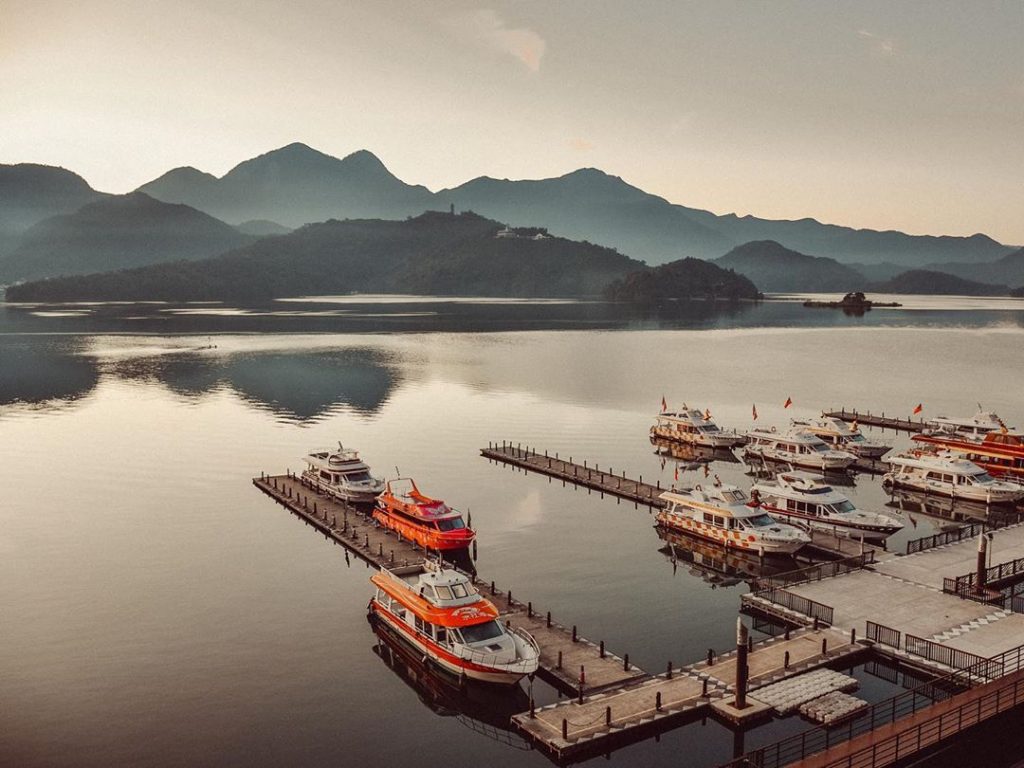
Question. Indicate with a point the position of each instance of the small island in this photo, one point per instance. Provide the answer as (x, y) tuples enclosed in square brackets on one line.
[(854, 302)]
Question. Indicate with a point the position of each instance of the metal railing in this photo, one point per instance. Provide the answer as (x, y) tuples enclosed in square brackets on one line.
[(821, 738), (946, 537), (810, 608), (879, 633), (968, 582), (986, 669), (1017, 603), (816, 572)]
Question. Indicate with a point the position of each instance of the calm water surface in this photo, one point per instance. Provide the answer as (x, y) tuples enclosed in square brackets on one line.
[(157, 610)]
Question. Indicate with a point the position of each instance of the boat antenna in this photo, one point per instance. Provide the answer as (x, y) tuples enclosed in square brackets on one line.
[(397, 473)]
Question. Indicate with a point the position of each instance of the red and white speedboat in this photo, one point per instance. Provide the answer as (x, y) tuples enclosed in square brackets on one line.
[(429, 522), (1000, 452), (439, 612)]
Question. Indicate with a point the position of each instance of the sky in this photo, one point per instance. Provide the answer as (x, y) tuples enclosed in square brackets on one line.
[(883, 115)]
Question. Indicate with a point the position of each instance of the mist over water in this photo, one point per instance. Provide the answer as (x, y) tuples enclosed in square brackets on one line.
[(158, 610)]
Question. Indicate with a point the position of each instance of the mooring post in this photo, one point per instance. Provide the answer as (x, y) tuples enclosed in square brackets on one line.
[(668, 670), (982, 559), (565, 729), (574, 633), (559, 665), (853, 636), (549, 619), (742, 672), (704, 689), (785, 661), (824, 646), (625, 662), (711, 657), (529, 609), (608, 717)]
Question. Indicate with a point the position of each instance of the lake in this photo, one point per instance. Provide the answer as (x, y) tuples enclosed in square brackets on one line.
[(158, 610)]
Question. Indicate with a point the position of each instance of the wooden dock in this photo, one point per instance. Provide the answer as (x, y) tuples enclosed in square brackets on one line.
[(575, 728), (586, 475), (564, 652), (868, 419)]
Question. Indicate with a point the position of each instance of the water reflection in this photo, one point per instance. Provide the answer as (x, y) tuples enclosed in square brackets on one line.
[(956, 512), (715, 565), (485, 709), (47, 371), (691, 456)]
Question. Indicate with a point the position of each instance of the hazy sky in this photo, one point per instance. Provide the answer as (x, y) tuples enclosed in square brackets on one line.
[(885, 115)]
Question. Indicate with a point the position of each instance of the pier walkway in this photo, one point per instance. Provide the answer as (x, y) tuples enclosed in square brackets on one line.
[(563, 650), (867, 419)]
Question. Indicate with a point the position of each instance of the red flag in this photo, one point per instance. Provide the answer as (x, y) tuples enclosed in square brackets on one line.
[(755, 411), (789, 402), (918, 408), (677, 472), (707, 414), (664, 405)]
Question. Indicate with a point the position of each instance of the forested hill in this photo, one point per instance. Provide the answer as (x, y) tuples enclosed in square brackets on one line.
[(435, 253)]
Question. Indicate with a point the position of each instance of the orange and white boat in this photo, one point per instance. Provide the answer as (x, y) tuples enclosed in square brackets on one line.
[(439, 612), (429, 522)]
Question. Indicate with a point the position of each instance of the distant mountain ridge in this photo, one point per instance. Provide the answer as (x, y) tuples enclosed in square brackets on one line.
[(1009, 269), (923, 281), (775, 268), (442, 253), (296, 184), (116, 232)]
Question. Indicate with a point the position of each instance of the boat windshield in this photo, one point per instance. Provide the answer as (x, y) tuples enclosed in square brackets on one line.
[(709, 428), (357, 477), (843, 506), (819, 447), (733, 497), (982, 479), (856, 437), (760, 521), (451, 524), (478, 633)]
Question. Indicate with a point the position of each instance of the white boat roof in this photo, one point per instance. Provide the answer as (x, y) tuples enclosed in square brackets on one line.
[(727, 500), (687, 414), (340, 460), (939, 462), (982, 419), (797, 435), (432, 574), (802, 484), (826, 423)]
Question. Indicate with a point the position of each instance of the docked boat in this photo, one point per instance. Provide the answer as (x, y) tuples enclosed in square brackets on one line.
[(429, 522), (843, 437), (1001, 453), (976, 427), (725, 515), (342, 475), (695, 427), (798, 448), (944, 474), (803, 499), (439, 612)]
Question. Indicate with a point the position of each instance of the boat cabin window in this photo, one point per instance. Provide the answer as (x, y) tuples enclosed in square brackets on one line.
[(981, 479), (441, 633), (843, 506), (733, 496), (451, 524), (357, 477), (717, 520), (443, 592), (419, 624), (325, 475), (709, 428), (459, 590), (760, 521), (478, 633)]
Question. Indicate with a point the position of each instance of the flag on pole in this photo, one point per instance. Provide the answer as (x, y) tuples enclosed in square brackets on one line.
[(918, 408), (664, 405), (754, 408), (677, 473), (789, 402), (707, 414)]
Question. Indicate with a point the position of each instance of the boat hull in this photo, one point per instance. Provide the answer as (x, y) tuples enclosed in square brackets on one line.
[(966, 493), (856, 530), (351, 495), (437, 655), (806, 461)]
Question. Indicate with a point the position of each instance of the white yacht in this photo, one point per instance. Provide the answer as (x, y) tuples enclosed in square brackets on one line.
[(843, 437), (696, 427), (803, 499), (725, 515), (341, 474), (975, 427), (796, 447), (943, 474)]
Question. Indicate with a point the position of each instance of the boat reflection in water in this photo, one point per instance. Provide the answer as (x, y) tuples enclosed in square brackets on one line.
[(716, 565), (485, 709), (692, 455), (949, 510)]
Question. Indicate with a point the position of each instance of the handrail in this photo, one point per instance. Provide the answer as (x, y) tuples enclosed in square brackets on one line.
[(946, 537), (995, 573), (883, 635), (821, 738), (816, 572)]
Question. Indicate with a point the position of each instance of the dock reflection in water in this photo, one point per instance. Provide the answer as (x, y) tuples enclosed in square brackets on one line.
[(717, 566), (485, 709)]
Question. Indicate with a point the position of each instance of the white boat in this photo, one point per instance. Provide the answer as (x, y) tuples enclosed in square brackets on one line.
[(796, 447), (943, 474), (696, 427), (341, 474), (975, 427), (438, 612), (803, 499), (725, 515), (843, 437)]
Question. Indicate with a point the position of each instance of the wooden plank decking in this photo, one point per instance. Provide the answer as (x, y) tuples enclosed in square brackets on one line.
[(868, 419)]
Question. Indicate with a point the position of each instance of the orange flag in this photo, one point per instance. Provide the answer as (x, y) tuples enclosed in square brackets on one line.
[(918, 408), (664, 405), (789, 402), (755, 411), (707, 414), (677, 472)]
